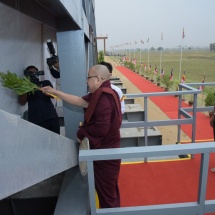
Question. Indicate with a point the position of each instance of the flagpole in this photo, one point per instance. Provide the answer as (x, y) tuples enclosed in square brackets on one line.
[(183, 35), (180, 63), (161, 50), (203, 89), (130, 53), (148, 54), (140, 54)]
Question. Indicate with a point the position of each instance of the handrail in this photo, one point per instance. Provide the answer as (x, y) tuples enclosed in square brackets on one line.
[(187, 208), (201, 206), (182, 111)]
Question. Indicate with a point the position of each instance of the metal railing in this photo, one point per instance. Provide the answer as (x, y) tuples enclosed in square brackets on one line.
[(187, 208), (200, 207), (184, 89)]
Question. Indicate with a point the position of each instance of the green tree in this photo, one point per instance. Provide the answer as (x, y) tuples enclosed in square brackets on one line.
[(166, 81), (210, 99), (101, 57)]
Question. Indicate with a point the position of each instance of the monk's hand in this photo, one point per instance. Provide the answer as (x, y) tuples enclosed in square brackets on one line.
[(47, 89)]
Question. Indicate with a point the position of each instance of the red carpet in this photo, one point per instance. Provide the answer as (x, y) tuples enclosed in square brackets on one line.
[(165, 182), (203, 130)]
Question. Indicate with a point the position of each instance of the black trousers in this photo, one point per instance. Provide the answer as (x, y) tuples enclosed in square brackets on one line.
[(51, 124)]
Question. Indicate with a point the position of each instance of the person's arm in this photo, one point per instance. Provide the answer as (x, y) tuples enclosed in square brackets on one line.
[(54, 72), (71, 99), (23, 99), (122, 104), (121, 97)]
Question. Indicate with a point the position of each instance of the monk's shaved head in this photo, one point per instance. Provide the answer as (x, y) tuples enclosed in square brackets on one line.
[(96, 76), (102, 71)]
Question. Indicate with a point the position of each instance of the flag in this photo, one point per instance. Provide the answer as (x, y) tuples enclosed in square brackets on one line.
[(161, 36), (171, 75), (145, 66), (135, 42), (183, 35), (162, 72), (203, 80), (142, 41), (183, 78), (155, 70), (148, 40), (149, 67)]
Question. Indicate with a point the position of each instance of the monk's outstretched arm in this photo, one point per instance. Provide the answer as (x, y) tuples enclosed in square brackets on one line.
[(71, 99)]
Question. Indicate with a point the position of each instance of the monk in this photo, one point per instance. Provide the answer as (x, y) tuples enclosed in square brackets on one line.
[(102, 120)]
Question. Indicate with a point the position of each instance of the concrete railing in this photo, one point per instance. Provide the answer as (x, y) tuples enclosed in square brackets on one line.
[(30, 154)]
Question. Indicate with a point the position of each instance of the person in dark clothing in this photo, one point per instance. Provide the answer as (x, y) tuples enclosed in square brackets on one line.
[(213, 125), (41, 110), (214, 121), (102, 121), (55, 70)]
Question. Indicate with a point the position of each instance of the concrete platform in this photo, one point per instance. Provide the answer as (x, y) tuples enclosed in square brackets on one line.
[(114, 78), (129, 101), (124, 89), (133, 113), (118, 84), (132, 107), (131, 137), (115, 82)]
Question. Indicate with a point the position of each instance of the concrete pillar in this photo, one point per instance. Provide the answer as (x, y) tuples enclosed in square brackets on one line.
[(73, 69)]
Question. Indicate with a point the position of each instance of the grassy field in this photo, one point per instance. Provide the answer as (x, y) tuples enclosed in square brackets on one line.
[(194, 63)]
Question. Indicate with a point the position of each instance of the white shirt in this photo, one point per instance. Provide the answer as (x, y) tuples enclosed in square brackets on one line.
[(121, 97)]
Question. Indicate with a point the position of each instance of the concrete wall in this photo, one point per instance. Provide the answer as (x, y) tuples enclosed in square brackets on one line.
[(23, 43), (30, 154)]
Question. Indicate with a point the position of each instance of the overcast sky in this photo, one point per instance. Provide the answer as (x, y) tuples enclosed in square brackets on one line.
[(127, 21)]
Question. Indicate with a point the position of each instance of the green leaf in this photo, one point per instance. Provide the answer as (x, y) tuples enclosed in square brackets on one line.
[(19, 85)]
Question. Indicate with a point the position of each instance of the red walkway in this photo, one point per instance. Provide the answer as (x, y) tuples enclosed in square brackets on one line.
[(169, 105), (165, 182)]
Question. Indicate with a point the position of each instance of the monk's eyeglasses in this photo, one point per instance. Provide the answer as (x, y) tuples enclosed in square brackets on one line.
[(88, 77), (94, 76)]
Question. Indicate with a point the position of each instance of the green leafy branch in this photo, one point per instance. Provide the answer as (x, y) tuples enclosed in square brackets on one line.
[(19, 85)]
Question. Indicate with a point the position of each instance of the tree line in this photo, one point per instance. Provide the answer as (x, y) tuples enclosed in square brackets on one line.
[(212, 47)]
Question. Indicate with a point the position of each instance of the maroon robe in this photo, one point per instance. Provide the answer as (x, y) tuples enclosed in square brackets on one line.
[(101, 126)]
